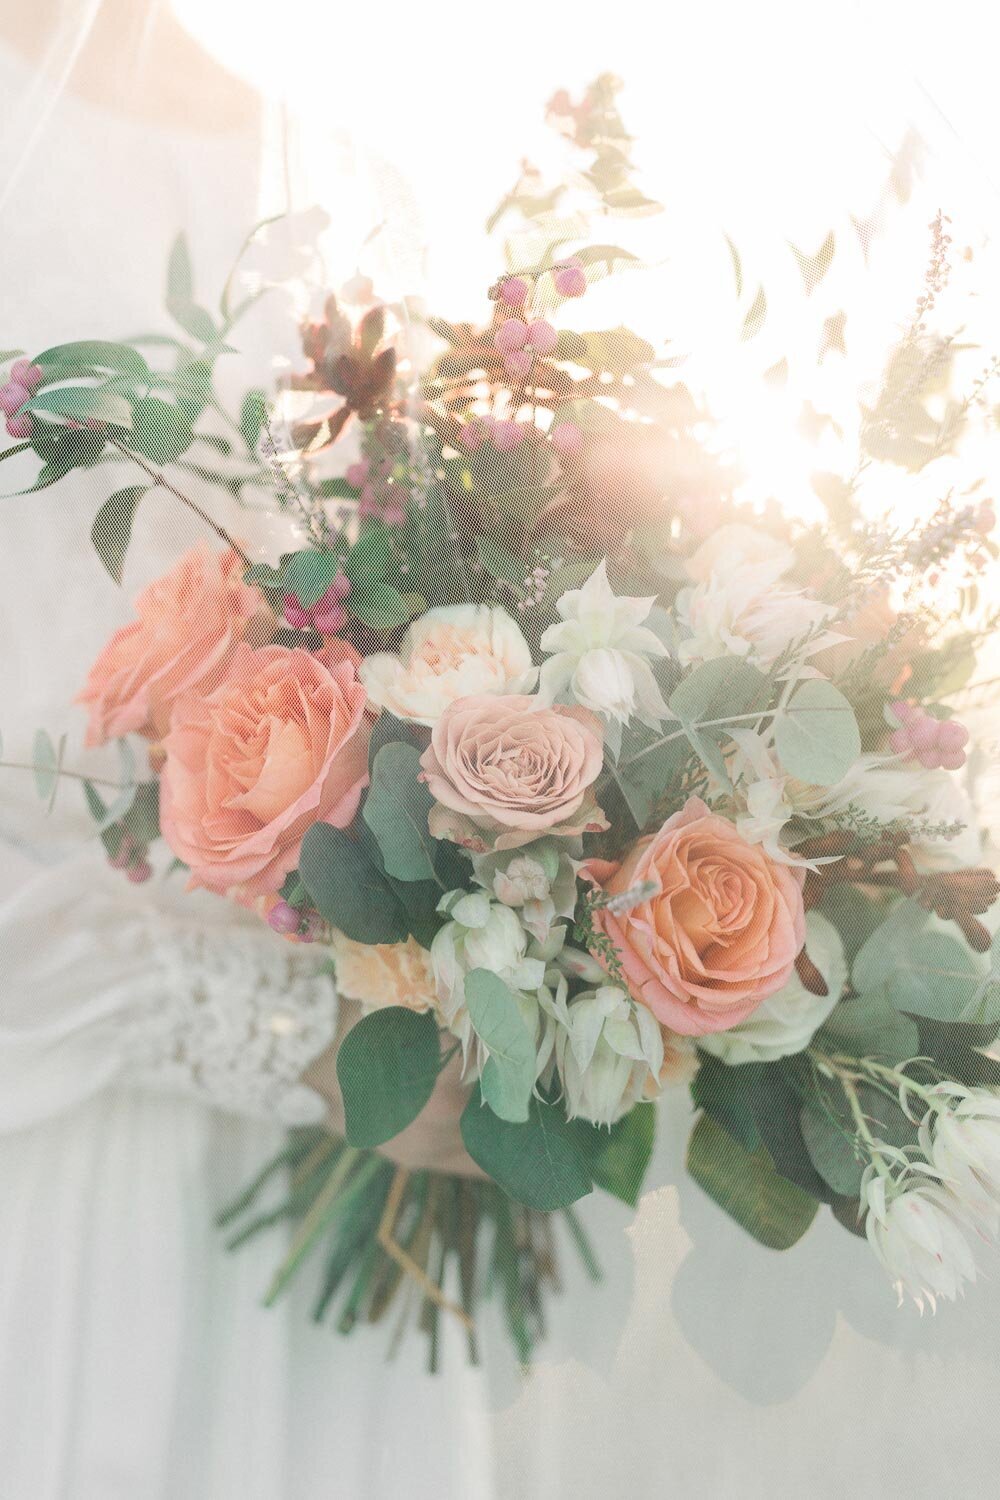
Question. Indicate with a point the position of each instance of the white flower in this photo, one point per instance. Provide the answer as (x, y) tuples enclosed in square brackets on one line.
[(607, 1050), (786, 1022), (458, 651), (735, 546), (540, 881), (746, 611), (482, 934), (598, 655), (963, 1145), (918, 1232)]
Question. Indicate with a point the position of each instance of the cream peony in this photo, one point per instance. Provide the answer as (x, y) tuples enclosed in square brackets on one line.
[(380, 974), (460, 651), (738, 546)]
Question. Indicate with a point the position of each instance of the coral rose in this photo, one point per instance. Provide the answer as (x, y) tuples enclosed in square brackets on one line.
[(508, 769), (189, 623), (378, 974), (721, 932), (447, 654), (281, 744)]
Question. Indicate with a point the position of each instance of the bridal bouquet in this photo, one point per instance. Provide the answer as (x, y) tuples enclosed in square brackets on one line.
[(590, 779)]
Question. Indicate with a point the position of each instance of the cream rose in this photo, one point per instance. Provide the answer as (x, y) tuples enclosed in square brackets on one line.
[(379, 974), (455, 652), (507, 770)]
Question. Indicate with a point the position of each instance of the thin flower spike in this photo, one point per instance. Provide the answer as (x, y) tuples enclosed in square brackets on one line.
[(598, 656)]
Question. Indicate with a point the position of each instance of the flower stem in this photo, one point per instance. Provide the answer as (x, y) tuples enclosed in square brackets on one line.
[(158, 478), (23, 765)]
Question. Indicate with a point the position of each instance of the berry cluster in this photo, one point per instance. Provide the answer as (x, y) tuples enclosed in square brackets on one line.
[(327, 615), (305, 925), (23, 381), (936, 743), (131, 858), (519, 342)]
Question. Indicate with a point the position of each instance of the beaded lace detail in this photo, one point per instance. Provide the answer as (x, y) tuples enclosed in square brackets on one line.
[(237, 1018)]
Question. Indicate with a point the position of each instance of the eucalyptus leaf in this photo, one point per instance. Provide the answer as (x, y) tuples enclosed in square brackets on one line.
[(746, 1186), (509, 1072), (817, 736), (617, 1159), (348, 889), (387, 1066), (831, 1147), (112, 528), (82, 403), (160, 431), (934, 976), (535, 1161), (868, 1026), (45, 762), (396, 810), (98, 354)]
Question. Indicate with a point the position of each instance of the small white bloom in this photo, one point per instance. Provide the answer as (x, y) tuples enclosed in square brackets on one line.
[(963, 1145), (498, 943), (540, 881), (458, 651), (786, 1022), (918, 1232), (598, 655), (607, 1049), (746, 611)]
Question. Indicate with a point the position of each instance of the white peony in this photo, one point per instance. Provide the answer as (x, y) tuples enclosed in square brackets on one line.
[(607, 1050), (735, 546), (598, 656), (746, 611), (458, 651), (787, 1021)]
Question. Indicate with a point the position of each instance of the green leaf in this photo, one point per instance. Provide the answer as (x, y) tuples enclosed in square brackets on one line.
[(618, 1158), (643, 777), (382, 606), (608, 255), (617, 351), (14, 451), (934, 976), (160, 432), (509, 1073), (348, 889), (82, 403), (855, 915), (96, 354), (817, 736), (756, 316), (718, 689), (868, 1026), (253, 414), (746, 1186), (45, 759), (535, 1161), (877, 955), (814, 267), (500, 563), (831, 1147), (308, 575), (180, 294), (112, 528), (396, 810), (387, 1066), (737, 266)]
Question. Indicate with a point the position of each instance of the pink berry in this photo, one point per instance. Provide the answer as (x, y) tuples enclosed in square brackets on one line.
[(542, 336), (567, 439), (20, 426), (984, 522), (473, 435), (296, 614), (357, 473), (124, 855), (952, 760), (923, 733), (899, 742), (139, 873), (930, 758), (903, 711), (514, 291), (570, 281), (394, 515), (339, 589), (512, 334), (23, 372), (14, 395), (507, 436), (517, 362), (952, 736), (284, 918), (330, 621)]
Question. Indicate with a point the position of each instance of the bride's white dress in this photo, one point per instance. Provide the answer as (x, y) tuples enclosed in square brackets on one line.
[(136, 1362)]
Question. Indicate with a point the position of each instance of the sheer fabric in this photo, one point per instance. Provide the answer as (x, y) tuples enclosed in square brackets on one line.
[(135, 1358)]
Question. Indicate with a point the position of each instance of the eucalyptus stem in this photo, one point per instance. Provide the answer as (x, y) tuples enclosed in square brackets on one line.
[(160, 479), (23, 765)]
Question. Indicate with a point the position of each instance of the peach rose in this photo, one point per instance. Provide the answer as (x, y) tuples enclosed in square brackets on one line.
[(190, 621), (281, 744), (720, 934), (378, 974), (508, 769)]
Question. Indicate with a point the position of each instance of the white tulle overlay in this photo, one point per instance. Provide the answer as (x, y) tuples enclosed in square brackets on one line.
[(151, 1041)]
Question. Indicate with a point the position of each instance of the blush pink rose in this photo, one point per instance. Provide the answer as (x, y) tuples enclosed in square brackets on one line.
[(720, 934), (506, 769), (189, 623), (281, 744)]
